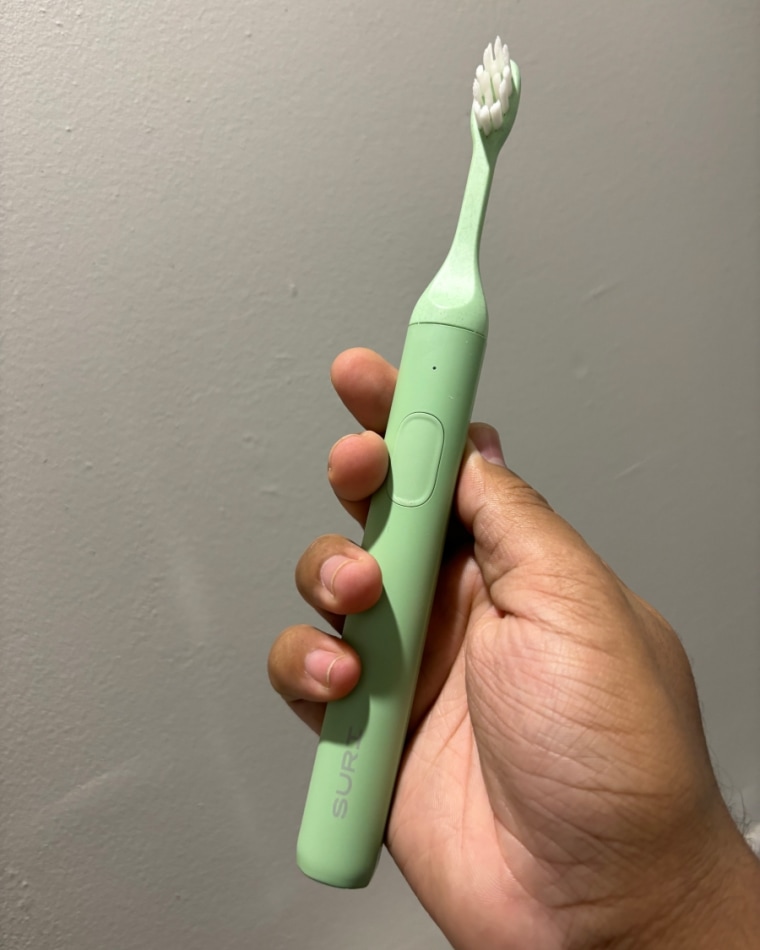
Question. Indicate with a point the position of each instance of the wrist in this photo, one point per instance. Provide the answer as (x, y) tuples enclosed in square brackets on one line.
[(714, 902), (709, 898), (722, 909)]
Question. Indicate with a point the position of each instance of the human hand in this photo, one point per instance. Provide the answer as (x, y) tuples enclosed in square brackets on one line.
[(556, 789)]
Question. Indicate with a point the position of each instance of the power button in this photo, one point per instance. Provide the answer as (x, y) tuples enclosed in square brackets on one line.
[(416, 458)]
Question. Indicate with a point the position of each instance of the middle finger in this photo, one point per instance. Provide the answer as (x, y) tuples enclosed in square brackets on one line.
[(356, 468), (337, 577)]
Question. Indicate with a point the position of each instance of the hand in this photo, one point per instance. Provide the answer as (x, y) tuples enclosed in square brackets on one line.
[(556, 789)]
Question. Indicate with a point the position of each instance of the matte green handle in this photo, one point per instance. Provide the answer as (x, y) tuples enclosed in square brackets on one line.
[(363, 735)]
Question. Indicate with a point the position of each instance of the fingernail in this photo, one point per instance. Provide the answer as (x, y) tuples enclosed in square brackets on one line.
[(341, 440), (330, 570), (319, 665), (486, 441)]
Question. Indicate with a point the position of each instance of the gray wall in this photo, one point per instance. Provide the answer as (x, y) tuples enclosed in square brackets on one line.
[(203, 203)]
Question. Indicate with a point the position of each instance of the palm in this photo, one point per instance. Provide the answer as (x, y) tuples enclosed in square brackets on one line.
[(443, 831), (493, 820)]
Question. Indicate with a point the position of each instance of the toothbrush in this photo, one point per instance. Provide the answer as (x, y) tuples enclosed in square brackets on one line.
[(363, 734)]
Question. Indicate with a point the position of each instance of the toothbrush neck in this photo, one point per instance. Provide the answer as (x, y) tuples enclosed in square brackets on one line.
[(465, 247)]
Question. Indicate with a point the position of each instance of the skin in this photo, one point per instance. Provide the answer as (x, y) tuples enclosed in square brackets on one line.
[(556, 790)]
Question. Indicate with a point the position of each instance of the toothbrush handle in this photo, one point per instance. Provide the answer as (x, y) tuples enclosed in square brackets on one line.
[(363, 734)]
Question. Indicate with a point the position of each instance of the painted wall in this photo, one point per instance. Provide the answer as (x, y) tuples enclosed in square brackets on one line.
[(202, 204)]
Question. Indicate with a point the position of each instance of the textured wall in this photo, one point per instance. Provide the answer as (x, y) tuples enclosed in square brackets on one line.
[(202, 203)]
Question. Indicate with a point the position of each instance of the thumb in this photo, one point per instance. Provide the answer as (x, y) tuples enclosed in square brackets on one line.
[(512, 524)]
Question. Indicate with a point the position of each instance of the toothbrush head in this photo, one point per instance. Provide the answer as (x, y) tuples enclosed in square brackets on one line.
[(495, 93)]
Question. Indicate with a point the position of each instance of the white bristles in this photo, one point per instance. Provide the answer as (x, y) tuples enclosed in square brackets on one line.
[(501, 53), (486, 89), (504, 91), (492, 87), (484, 120)]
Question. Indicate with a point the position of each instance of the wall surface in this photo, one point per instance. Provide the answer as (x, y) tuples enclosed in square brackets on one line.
[(202, 204)]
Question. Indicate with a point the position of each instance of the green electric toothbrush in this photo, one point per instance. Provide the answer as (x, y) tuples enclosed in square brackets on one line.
[(363, 734)]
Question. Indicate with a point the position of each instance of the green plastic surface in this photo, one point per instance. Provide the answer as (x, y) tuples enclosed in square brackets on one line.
[(363, 734)]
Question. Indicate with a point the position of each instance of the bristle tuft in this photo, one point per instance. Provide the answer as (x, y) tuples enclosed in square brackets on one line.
[(492, 87)]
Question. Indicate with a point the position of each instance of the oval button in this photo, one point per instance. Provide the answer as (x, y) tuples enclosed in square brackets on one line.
[(416, 457)]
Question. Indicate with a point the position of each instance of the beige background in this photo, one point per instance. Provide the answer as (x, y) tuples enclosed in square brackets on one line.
[(203, 203)]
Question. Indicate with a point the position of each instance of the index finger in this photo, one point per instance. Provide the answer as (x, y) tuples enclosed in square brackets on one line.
[(364, 381)]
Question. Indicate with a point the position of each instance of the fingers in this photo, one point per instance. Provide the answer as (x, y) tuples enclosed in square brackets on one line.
[(336, 577), (356, 468), (358, 463), (365, 383), (309, 668)]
